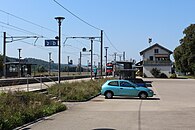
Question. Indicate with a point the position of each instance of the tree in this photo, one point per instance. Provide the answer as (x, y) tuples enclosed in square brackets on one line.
[(41, 68), (184, 54)]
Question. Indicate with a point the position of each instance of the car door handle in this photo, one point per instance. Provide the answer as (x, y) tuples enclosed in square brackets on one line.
[(121, 88)]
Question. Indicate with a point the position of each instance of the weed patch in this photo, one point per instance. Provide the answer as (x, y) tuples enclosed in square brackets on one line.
[(77, 91), (18, 108)]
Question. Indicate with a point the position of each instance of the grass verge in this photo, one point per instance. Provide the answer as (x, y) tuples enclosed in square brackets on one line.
[(18, 108), (77, 91)]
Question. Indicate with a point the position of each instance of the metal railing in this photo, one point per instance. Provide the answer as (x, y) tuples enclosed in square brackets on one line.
[(39, 79)]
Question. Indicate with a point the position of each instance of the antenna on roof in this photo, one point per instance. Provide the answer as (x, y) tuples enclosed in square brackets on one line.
[(149, 41)]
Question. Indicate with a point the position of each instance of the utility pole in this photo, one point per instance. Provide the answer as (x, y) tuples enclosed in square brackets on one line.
[(123, 55), (91, 58), (13, 38), (19, 65), (115, 57), (49, 63), (106, 48), (4, 55), (92, 39), (80, 63), (120, 57), (114, 72), (101, 47), (59, 19), (101, 53), (68, 64)]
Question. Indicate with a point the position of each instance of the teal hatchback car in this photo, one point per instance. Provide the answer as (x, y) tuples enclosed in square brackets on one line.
[(125, 88)]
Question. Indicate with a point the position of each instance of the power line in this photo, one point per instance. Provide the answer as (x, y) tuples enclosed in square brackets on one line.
[(77, 16), (86, 44), (27, 21), (43, 48), (12, 29), (111, 42), (19, 28), (67, 45)]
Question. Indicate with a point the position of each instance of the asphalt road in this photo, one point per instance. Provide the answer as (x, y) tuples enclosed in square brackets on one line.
[(173, 108)]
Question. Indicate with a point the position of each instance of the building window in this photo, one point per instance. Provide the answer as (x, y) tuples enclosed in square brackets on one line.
[(151, 58), (156, 51)]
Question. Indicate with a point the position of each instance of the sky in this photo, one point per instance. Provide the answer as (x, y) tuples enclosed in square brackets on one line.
[(127, 25)]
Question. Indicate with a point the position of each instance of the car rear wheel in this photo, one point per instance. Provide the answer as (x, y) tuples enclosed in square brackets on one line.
[(108, 95), (143, 95)]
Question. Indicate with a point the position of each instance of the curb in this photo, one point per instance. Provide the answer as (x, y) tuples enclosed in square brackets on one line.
[(83, 100), (23, 127)]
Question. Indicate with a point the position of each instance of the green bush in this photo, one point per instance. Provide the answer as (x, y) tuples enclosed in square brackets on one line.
[(173, 76), (163, 75), (18, 108), (155, 72), (77, 91)]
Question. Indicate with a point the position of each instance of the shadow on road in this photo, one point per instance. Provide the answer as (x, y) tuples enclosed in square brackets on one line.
[(103, 129), (26, 129), (132, 98)]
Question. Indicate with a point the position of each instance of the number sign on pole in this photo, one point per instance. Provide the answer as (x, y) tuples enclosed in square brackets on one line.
[(51, 42)]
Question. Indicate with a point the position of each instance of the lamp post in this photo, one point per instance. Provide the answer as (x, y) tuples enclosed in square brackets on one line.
[(106, 48), (59, 19)]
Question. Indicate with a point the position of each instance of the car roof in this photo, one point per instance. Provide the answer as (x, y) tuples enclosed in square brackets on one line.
[(117, 80)]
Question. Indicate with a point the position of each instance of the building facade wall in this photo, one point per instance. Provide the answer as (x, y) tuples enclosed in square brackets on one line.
[(163, 69), (147, 54)]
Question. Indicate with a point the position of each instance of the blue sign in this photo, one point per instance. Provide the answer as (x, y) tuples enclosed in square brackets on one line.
[(51, 42)]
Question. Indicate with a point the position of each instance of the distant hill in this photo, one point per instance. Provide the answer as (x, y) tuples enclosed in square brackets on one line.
[(43, 63), (38, 62)]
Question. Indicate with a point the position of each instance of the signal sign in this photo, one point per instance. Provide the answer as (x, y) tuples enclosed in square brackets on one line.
[(51, 42)]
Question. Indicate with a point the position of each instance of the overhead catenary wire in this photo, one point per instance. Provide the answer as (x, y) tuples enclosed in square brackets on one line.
[(35, 24), (47, 49), (43, 48), (20, 28), (11, 29), (28, 21), (77, 16), (86, 23), (111, 43), (46, 27), (16, 28)]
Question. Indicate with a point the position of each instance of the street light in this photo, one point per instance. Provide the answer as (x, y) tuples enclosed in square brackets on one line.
[(59, 19)]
